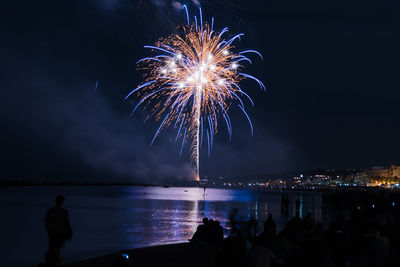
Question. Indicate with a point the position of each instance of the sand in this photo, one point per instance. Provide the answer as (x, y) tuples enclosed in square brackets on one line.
[(182, 254)]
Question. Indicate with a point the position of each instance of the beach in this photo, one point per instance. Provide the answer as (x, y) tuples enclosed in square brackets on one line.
[(181, 254)]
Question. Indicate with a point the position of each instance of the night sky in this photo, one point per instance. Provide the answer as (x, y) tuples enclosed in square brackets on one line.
[(331, 68)]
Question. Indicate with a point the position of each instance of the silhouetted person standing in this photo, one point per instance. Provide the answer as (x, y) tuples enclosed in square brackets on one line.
[(57, 226), (270, 226)]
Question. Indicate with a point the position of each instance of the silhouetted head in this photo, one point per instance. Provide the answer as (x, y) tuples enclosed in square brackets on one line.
[(59, 200), (205, 220), (269, 216)]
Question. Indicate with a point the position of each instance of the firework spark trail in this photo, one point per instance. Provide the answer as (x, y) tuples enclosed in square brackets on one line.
[(193, 80), (196, 127)]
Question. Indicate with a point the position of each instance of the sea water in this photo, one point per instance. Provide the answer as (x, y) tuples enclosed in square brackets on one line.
[(110, 218)]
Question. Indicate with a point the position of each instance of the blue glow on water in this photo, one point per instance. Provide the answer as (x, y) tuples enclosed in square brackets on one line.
[(111, 218)]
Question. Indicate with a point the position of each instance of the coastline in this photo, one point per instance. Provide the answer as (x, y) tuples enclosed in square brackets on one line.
[(179, 254)]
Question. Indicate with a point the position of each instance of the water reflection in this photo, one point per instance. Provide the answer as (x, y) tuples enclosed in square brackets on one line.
[(110, 218), (164, 215)]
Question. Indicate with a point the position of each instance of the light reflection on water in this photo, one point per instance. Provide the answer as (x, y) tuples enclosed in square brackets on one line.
[(110, 218)]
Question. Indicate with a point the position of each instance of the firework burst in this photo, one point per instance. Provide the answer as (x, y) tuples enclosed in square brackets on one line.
[(192, 81)]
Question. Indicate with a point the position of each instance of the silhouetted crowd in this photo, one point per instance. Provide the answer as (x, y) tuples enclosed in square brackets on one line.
[(366, 232), (209, 232)]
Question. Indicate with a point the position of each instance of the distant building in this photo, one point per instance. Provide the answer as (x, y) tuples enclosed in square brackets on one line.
[(320, 179), (361, 178), (396, 171), (381, 175)]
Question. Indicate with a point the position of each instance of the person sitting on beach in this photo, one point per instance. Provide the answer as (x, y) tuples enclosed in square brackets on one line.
[(252, 228), (234, 222), (219, 231), (269, 225), (211, 231), (201, 234), (58, 226)]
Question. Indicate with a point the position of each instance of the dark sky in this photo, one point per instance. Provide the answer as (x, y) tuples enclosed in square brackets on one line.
[(331, 68)]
